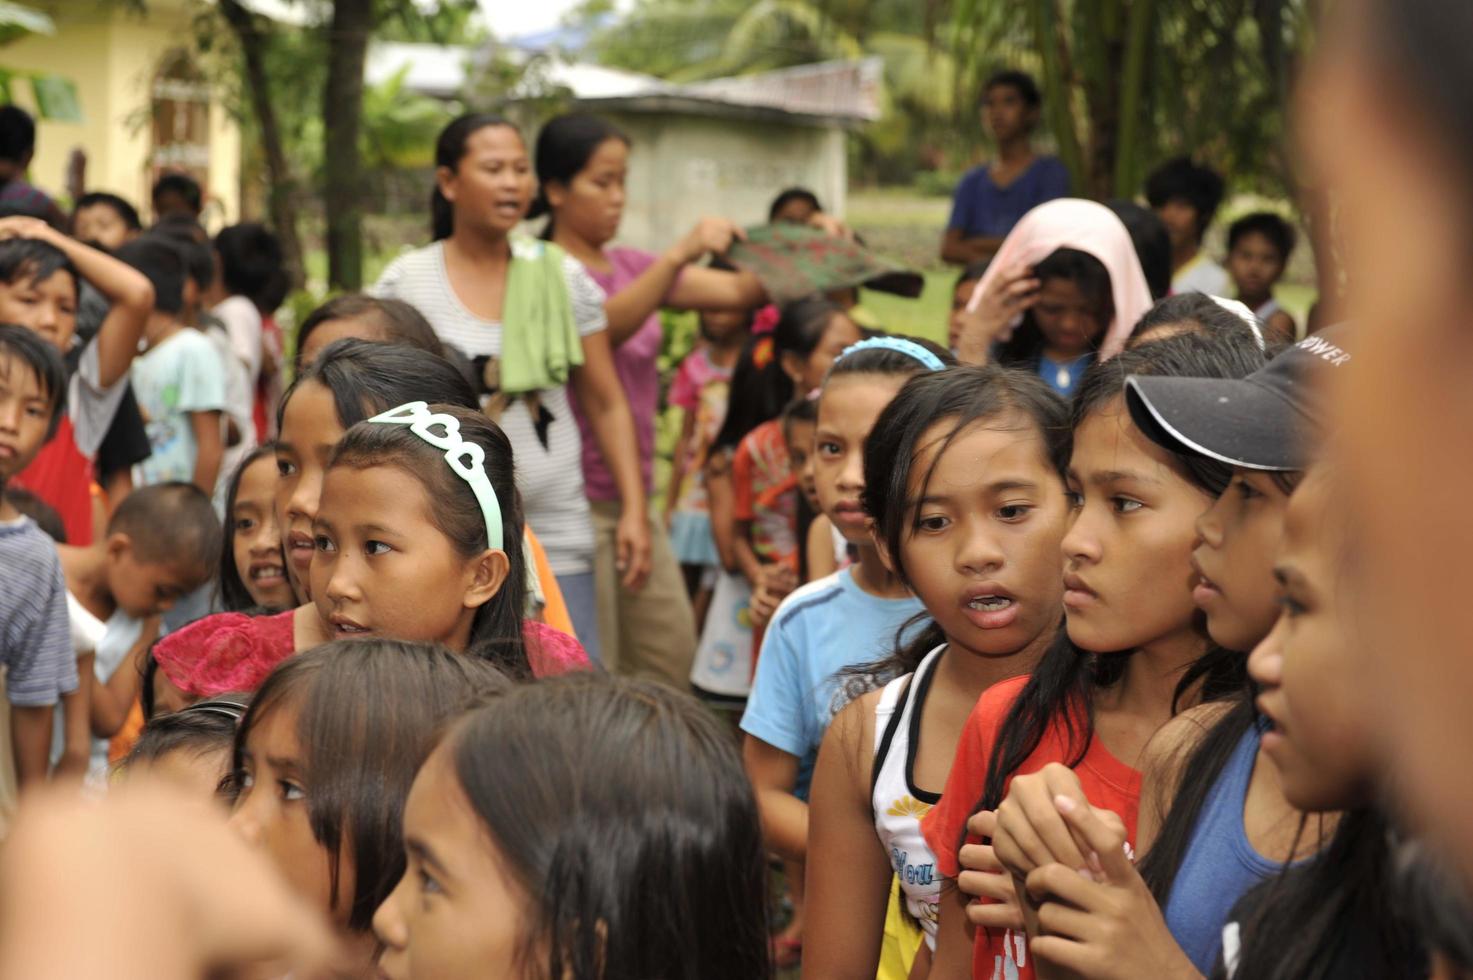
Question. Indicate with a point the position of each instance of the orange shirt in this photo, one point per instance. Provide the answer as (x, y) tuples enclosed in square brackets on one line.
[(1108, 783), (554, 609), (766, 493)]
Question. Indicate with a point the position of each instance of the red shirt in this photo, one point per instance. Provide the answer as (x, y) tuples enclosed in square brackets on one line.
[(62, 477), (1107, 782)]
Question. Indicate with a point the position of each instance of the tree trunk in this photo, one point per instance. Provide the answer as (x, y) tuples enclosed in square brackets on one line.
[(1132, 92), (281, 193), (342, 115), (1049, 41), (1100, 54)]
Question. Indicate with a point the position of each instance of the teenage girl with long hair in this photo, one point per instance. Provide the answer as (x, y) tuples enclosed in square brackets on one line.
[(1134, 652), (1214, 820), (323, 761), (849, 617), (962, 482), (582, 165), (533, 323), (439, 505)]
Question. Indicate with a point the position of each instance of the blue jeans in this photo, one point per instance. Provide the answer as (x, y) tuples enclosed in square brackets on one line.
[(582, 600)]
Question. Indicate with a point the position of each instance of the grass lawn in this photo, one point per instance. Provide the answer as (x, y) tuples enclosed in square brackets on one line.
[(924, 316)]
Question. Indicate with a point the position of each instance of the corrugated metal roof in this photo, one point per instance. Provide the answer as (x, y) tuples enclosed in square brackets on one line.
[(839, 89), (843, 91), (434, 69)]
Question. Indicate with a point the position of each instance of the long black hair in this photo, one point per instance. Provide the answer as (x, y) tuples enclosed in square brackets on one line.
[(368, 713), (965, 396), (1432, 896), (634, 829), (449, 150), (1311, 919), (1061, 688), (496, 629), (564, 147), (760, 389), (1088, 273)]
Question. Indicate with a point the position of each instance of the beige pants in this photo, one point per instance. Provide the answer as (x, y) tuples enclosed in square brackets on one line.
[(650, 633)]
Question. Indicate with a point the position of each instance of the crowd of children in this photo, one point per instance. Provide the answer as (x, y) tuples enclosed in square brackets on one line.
[(1048, 653)]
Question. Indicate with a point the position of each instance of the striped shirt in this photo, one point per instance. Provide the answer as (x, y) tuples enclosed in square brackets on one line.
[(551, 478), (35, 630)]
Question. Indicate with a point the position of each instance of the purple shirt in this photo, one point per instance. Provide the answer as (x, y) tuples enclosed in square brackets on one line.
[(982, 209), (636, 362)]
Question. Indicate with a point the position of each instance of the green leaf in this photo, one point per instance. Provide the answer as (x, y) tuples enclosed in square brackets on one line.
[(18, 21), (56, 98)]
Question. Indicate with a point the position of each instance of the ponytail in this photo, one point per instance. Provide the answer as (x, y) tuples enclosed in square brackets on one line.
[(541, 206), (442, 216)]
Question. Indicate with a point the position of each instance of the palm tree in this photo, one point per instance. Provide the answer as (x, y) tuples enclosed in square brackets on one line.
[(1129, 82)]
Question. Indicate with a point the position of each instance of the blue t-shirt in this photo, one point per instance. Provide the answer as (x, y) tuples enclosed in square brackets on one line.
[(818, 630), (979, 208), (1220, 865), (180, 376), (1064, 378)]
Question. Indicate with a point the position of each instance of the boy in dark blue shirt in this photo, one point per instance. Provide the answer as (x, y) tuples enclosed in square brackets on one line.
[(991, 198)]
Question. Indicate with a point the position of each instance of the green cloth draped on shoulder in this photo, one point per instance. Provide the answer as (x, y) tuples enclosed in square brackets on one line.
[(540, 343)]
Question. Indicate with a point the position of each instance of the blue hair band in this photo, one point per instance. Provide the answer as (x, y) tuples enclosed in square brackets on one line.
[(900, 346)]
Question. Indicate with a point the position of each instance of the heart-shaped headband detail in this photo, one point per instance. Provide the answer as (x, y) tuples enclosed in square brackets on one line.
[(467, 459)]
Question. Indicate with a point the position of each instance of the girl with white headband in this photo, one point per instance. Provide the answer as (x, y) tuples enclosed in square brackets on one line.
[(350, 383)]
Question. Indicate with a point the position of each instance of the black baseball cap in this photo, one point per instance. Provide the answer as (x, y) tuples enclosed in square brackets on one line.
[(1269, 420)]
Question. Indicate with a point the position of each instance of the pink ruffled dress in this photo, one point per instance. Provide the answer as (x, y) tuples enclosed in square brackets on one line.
[(235, 652)]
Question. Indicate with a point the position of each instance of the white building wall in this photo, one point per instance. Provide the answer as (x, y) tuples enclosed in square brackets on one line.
[(683, 167)]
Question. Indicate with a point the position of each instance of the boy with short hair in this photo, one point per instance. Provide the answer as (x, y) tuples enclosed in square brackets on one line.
[(1186, 197), (39, 273), (179, 379), (162, 543), (105, 221), (35, 634), (177, 194), (199, 261), (1259, 246), (990, 199)]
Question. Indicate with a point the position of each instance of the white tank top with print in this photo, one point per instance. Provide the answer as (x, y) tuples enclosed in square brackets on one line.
[(898, 805)]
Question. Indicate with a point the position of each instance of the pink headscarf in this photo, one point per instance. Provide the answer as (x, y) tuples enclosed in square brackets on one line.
[(1089, 227)]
